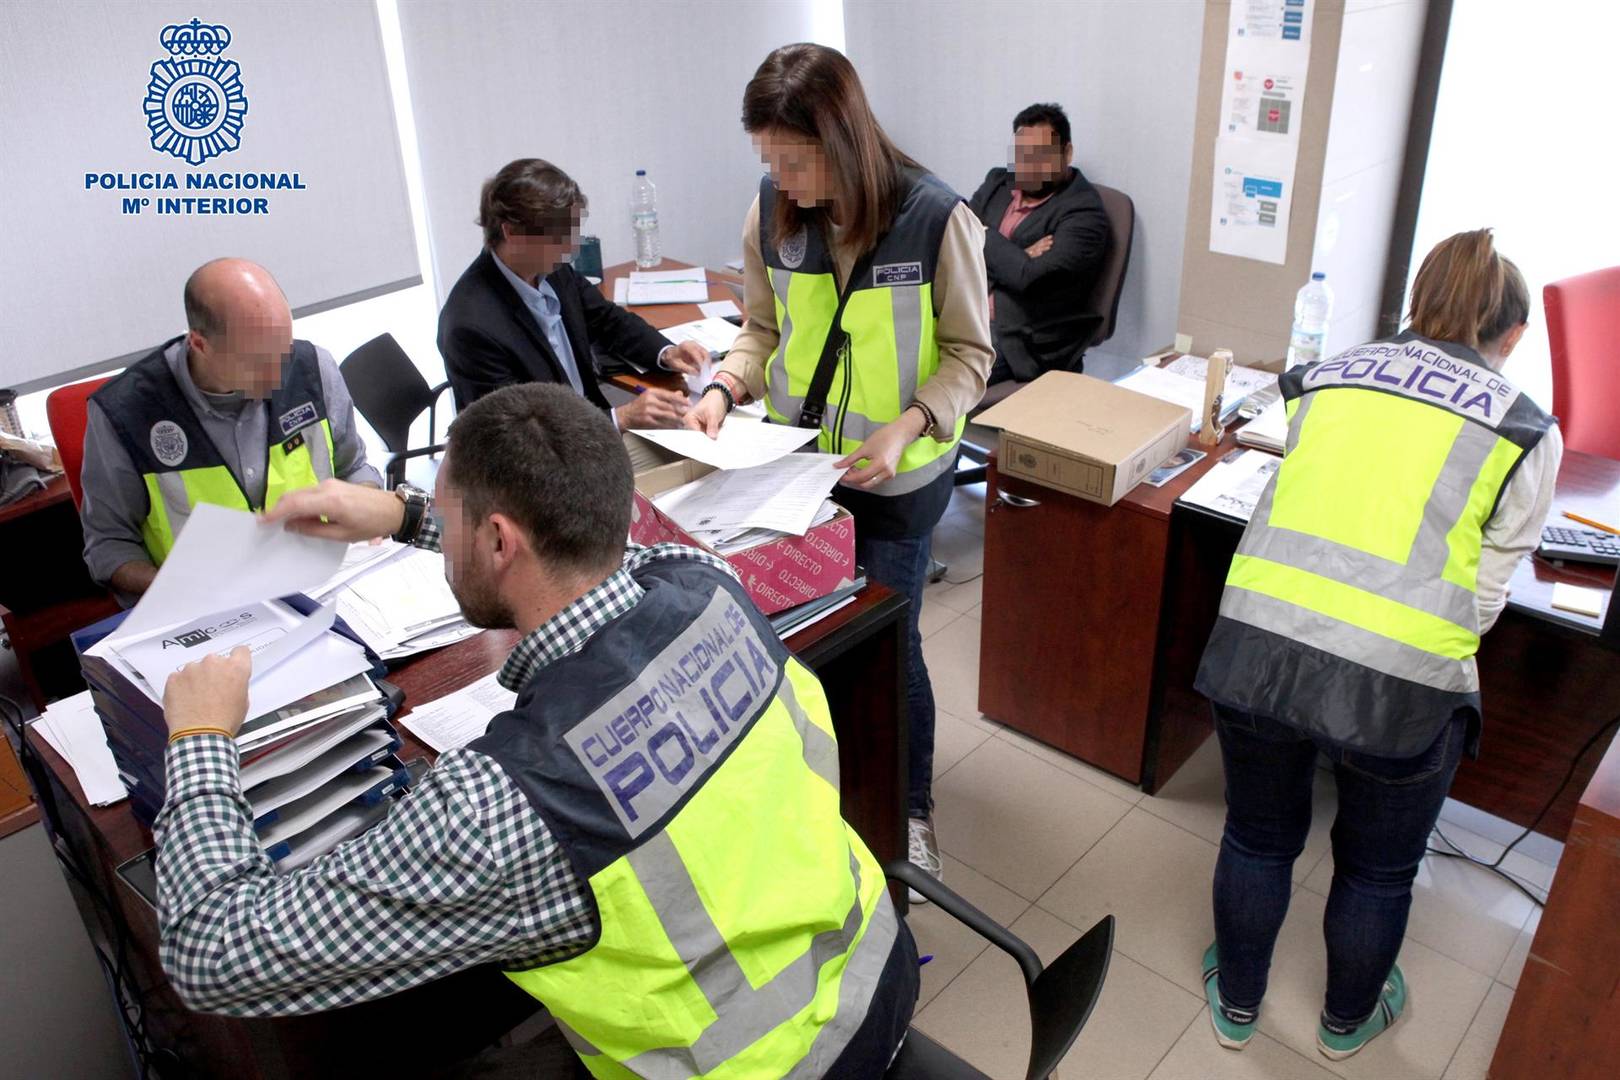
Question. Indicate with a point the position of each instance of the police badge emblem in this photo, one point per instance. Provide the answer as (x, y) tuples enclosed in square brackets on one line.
[(791, 251), (168, 443), (195, 105)]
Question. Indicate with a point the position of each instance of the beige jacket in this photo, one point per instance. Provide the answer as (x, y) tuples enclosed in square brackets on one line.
[(961, 308)]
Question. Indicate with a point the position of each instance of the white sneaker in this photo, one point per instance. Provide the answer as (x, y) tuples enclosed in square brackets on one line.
[(923, 853)]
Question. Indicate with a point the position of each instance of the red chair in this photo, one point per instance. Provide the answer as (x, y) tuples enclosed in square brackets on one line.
[(43, 627), (66, 410), (1583, 327)]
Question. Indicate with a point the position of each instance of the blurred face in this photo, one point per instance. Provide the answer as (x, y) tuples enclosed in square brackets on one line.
[(251, 353), (1038, 156), (536, 252), (469, 556), (798, 167)]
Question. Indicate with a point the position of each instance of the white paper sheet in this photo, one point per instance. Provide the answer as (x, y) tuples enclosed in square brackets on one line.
[(1235, 484), (1240, 383), (360, 559), (271, 630), (458, 718), (1268, 431), (409, 594), (1251, 199), (225, 558), (284, 760), (686, 286), (785, 495), (621, 291), (720, 309), (312, 808), (741, 444), (715, 334), (73, 728)]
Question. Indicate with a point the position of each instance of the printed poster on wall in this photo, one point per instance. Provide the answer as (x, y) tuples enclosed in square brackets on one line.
[(1257, 143)]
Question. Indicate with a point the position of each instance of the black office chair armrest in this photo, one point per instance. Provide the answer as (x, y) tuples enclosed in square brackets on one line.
[(437, 448), (433, 407), (968, 915)]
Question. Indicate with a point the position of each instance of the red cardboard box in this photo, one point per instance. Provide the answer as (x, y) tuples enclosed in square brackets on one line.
[(778, 574)]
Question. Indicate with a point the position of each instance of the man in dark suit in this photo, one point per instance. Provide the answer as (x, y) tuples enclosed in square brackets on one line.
[(520, 314), (1046, 233)]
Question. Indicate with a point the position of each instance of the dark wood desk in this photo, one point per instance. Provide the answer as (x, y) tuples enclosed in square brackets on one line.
[(1565, 1019), (1548, 680), (858, 653), (662, 317), (1073, 599)]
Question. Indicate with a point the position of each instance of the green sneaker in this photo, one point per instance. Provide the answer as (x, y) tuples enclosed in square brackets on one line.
[(1336, 1044), (1233, 1027)]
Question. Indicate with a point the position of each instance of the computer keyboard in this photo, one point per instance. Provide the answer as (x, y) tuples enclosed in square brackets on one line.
[(1579, 545)]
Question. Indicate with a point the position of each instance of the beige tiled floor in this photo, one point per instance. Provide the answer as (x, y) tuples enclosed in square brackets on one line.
[(1048, 845)]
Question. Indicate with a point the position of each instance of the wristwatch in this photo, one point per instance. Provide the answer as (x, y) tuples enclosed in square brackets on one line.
[(416, 505)]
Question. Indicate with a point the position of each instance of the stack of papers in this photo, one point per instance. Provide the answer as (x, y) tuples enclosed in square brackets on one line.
[(687, 286), (731, 541), (808, 614), (74, 730), (1267, 431), (784, 496), (1234, 486), (1181, 382), (317, 755), (396, 598)]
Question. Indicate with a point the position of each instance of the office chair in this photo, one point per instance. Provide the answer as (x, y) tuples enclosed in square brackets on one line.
[(1061, 994), (33, 631), (1103, 300), (390, 393), (1583, 321)]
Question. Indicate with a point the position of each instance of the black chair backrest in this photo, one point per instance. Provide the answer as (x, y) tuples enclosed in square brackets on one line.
[(1110, 283), (387, 389)]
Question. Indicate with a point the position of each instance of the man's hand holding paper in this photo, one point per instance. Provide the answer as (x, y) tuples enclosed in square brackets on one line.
[(210, 695)]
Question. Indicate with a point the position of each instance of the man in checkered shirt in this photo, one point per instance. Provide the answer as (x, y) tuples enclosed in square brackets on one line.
[(533, 502)]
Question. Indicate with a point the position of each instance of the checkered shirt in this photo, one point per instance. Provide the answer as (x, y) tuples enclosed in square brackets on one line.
[(462, 871)]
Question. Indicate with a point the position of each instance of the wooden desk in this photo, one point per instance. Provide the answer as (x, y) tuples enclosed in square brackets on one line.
[(1073, 596), (662, 317), (1547, 679), (1565, 1018), (858, 653)]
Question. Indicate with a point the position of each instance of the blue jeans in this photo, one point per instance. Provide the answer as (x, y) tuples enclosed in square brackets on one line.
[(902, 565), (1387, 807)]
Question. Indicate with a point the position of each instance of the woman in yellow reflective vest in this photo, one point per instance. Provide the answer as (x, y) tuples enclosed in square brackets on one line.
[(868, 318), (1415, 479)]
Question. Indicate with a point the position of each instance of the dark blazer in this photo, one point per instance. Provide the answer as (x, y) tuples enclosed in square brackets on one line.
[(489, 339), (1041, 321)]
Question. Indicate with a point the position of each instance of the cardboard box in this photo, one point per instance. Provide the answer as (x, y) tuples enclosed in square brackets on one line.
[(777, 574), (1084, 436)]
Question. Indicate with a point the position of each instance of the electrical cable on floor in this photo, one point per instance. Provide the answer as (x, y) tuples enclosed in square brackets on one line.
[(1496, 867)]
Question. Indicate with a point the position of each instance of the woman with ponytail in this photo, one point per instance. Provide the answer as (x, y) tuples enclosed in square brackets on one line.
[(1416, 478)]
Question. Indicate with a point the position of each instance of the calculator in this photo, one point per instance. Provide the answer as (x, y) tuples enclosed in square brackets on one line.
[(1579, 545)]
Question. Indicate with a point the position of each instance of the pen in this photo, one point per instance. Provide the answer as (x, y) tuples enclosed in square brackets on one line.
[(1594, 524)]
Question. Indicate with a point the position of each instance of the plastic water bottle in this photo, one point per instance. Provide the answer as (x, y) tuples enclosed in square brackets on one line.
[(644, 220), (1312, 308)]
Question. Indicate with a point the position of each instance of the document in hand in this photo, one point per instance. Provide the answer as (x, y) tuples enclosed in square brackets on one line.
[(741, 444), (785, 495)]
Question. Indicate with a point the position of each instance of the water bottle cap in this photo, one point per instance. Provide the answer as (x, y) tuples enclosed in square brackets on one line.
[(641, 172), (1318, 276)]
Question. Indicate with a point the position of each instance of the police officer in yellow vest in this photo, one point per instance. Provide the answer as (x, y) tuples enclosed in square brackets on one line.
[(648, 841), (235, 413), (1416, 478), (868, 318)]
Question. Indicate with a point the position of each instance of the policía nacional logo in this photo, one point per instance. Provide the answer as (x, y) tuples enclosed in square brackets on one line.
[(168, 443), (195, 103), (791, 250)]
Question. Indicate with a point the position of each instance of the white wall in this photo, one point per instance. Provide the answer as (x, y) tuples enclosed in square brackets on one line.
[(946, 78), (600, 90)]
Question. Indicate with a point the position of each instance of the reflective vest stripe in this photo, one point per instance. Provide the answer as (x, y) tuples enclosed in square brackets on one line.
[(1421, 581), (907, 319), (820, 746), (168, 490), (320, 453), (1341, 639)]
